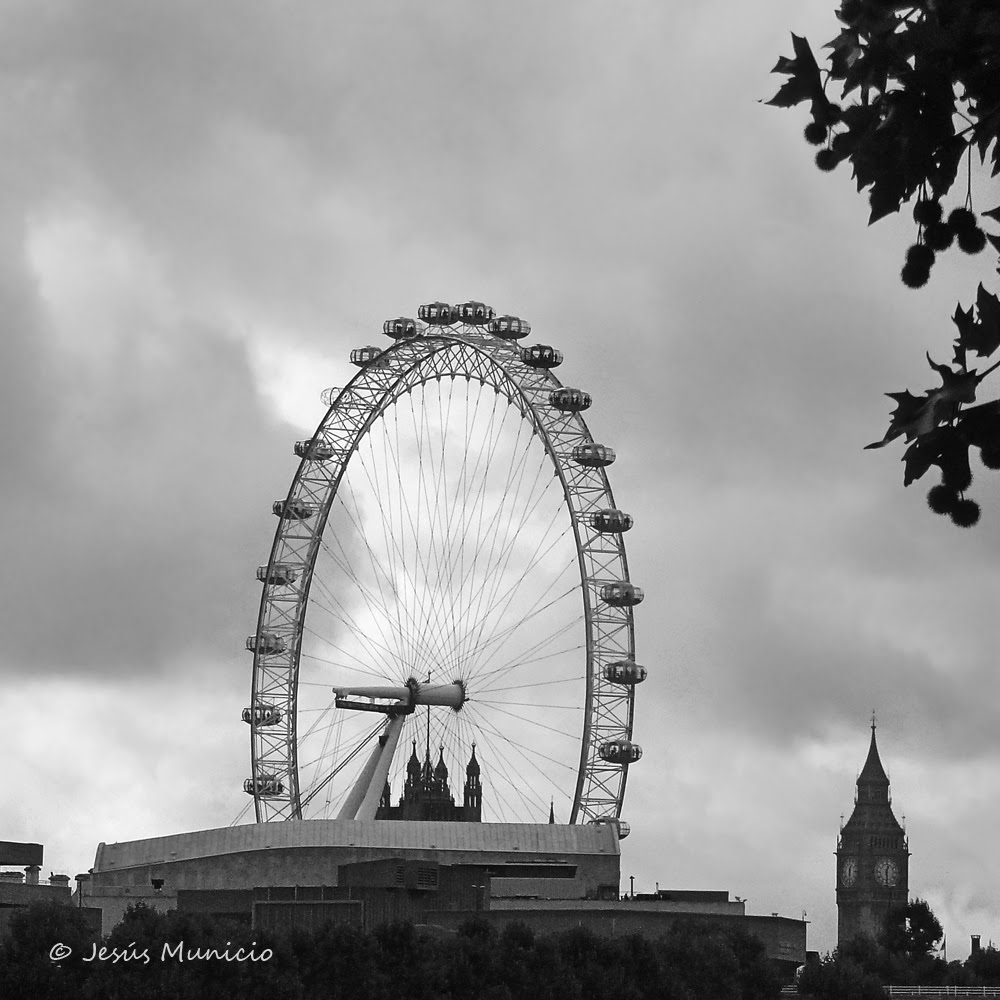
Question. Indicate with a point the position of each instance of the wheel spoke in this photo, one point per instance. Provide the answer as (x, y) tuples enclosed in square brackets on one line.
[(437, 544)]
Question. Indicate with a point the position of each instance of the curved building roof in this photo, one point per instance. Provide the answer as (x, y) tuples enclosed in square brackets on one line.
[(526, 838)]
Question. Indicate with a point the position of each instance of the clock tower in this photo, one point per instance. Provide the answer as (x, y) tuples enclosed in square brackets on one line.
[(872, 856)]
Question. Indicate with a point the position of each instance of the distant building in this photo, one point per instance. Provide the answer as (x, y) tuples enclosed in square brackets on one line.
[(313, 852), (872, 857), (427, 795), (24, 887), (442, 873)]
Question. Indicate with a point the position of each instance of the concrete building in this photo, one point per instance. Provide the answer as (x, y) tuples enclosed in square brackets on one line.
[(305, 873), (22, 886), (310, 852)]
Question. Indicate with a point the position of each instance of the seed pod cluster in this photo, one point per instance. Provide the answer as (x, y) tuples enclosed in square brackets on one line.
[(936, 235)]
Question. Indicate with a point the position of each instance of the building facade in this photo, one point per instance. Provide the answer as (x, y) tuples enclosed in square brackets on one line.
[(872, 857), (427, 795), (313, 851), (23, 887), (302, 874)]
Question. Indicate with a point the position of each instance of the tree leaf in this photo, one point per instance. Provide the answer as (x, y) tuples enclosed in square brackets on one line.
[(944, 447), (845, 52), (988, 306), (886, 196), (959, 355), (956, 387), (805, 83), (907, 418), (965, 323), (980, 425), (921, 455), (915, 417), (980, 333)]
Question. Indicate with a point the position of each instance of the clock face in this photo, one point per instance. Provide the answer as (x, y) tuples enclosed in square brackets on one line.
[(886, 872), (848, 872)]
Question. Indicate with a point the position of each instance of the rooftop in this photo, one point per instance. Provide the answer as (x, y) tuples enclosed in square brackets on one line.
[(531, 838)]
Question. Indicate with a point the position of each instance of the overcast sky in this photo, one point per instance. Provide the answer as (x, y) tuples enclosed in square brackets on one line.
[(204, 207)]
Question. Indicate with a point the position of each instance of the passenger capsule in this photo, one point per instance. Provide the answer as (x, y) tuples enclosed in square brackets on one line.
[(262, 715), (437, 314), (364, 356), (611, 521), (280, 575), (593, 456), (509, 328), (316, 451), (401, 328), (620, 751), (474, 313), (329, 396), (570, 400), (264, 785), (266, 642), (541, 356), (624, 672), (623, 828), (293, 510), (621, 594)]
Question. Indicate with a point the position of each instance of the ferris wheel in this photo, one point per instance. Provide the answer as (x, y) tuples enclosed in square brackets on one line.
[(448, 576)]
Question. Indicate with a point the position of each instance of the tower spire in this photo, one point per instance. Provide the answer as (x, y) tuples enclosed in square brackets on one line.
[(872, 854), (473, 800), (873, 774)]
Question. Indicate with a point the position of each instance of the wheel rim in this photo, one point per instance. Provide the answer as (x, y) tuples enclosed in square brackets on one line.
[(388, 588)]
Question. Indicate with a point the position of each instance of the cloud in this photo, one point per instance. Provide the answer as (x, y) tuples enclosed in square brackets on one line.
[(135, 751), (138, 529), (210, 205)]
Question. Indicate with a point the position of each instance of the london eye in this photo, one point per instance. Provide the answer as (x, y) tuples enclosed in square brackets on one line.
[(448, 573)]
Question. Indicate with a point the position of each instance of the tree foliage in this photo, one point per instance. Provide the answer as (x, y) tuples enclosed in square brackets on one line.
[(919, 97), (984, 966), (904, 955), (25, 967), (695, 961), (838, 979), (912, 931)]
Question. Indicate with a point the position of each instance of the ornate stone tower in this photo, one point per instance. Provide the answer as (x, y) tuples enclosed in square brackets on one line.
[(427, 795), (872, 856), (473, 799)]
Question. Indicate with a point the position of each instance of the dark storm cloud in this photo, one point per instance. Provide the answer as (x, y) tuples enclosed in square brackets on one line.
[(200, 123), (139, 459), (23, 401), (797, 680), (134, 537)]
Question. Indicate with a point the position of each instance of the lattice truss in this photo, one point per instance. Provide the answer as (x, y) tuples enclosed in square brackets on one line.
[(585, 761)]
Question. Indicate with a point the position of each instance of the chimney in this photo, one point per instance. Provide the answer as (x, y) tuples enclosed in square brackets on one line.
[(31, 874), (62, 880), (975, 944)]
